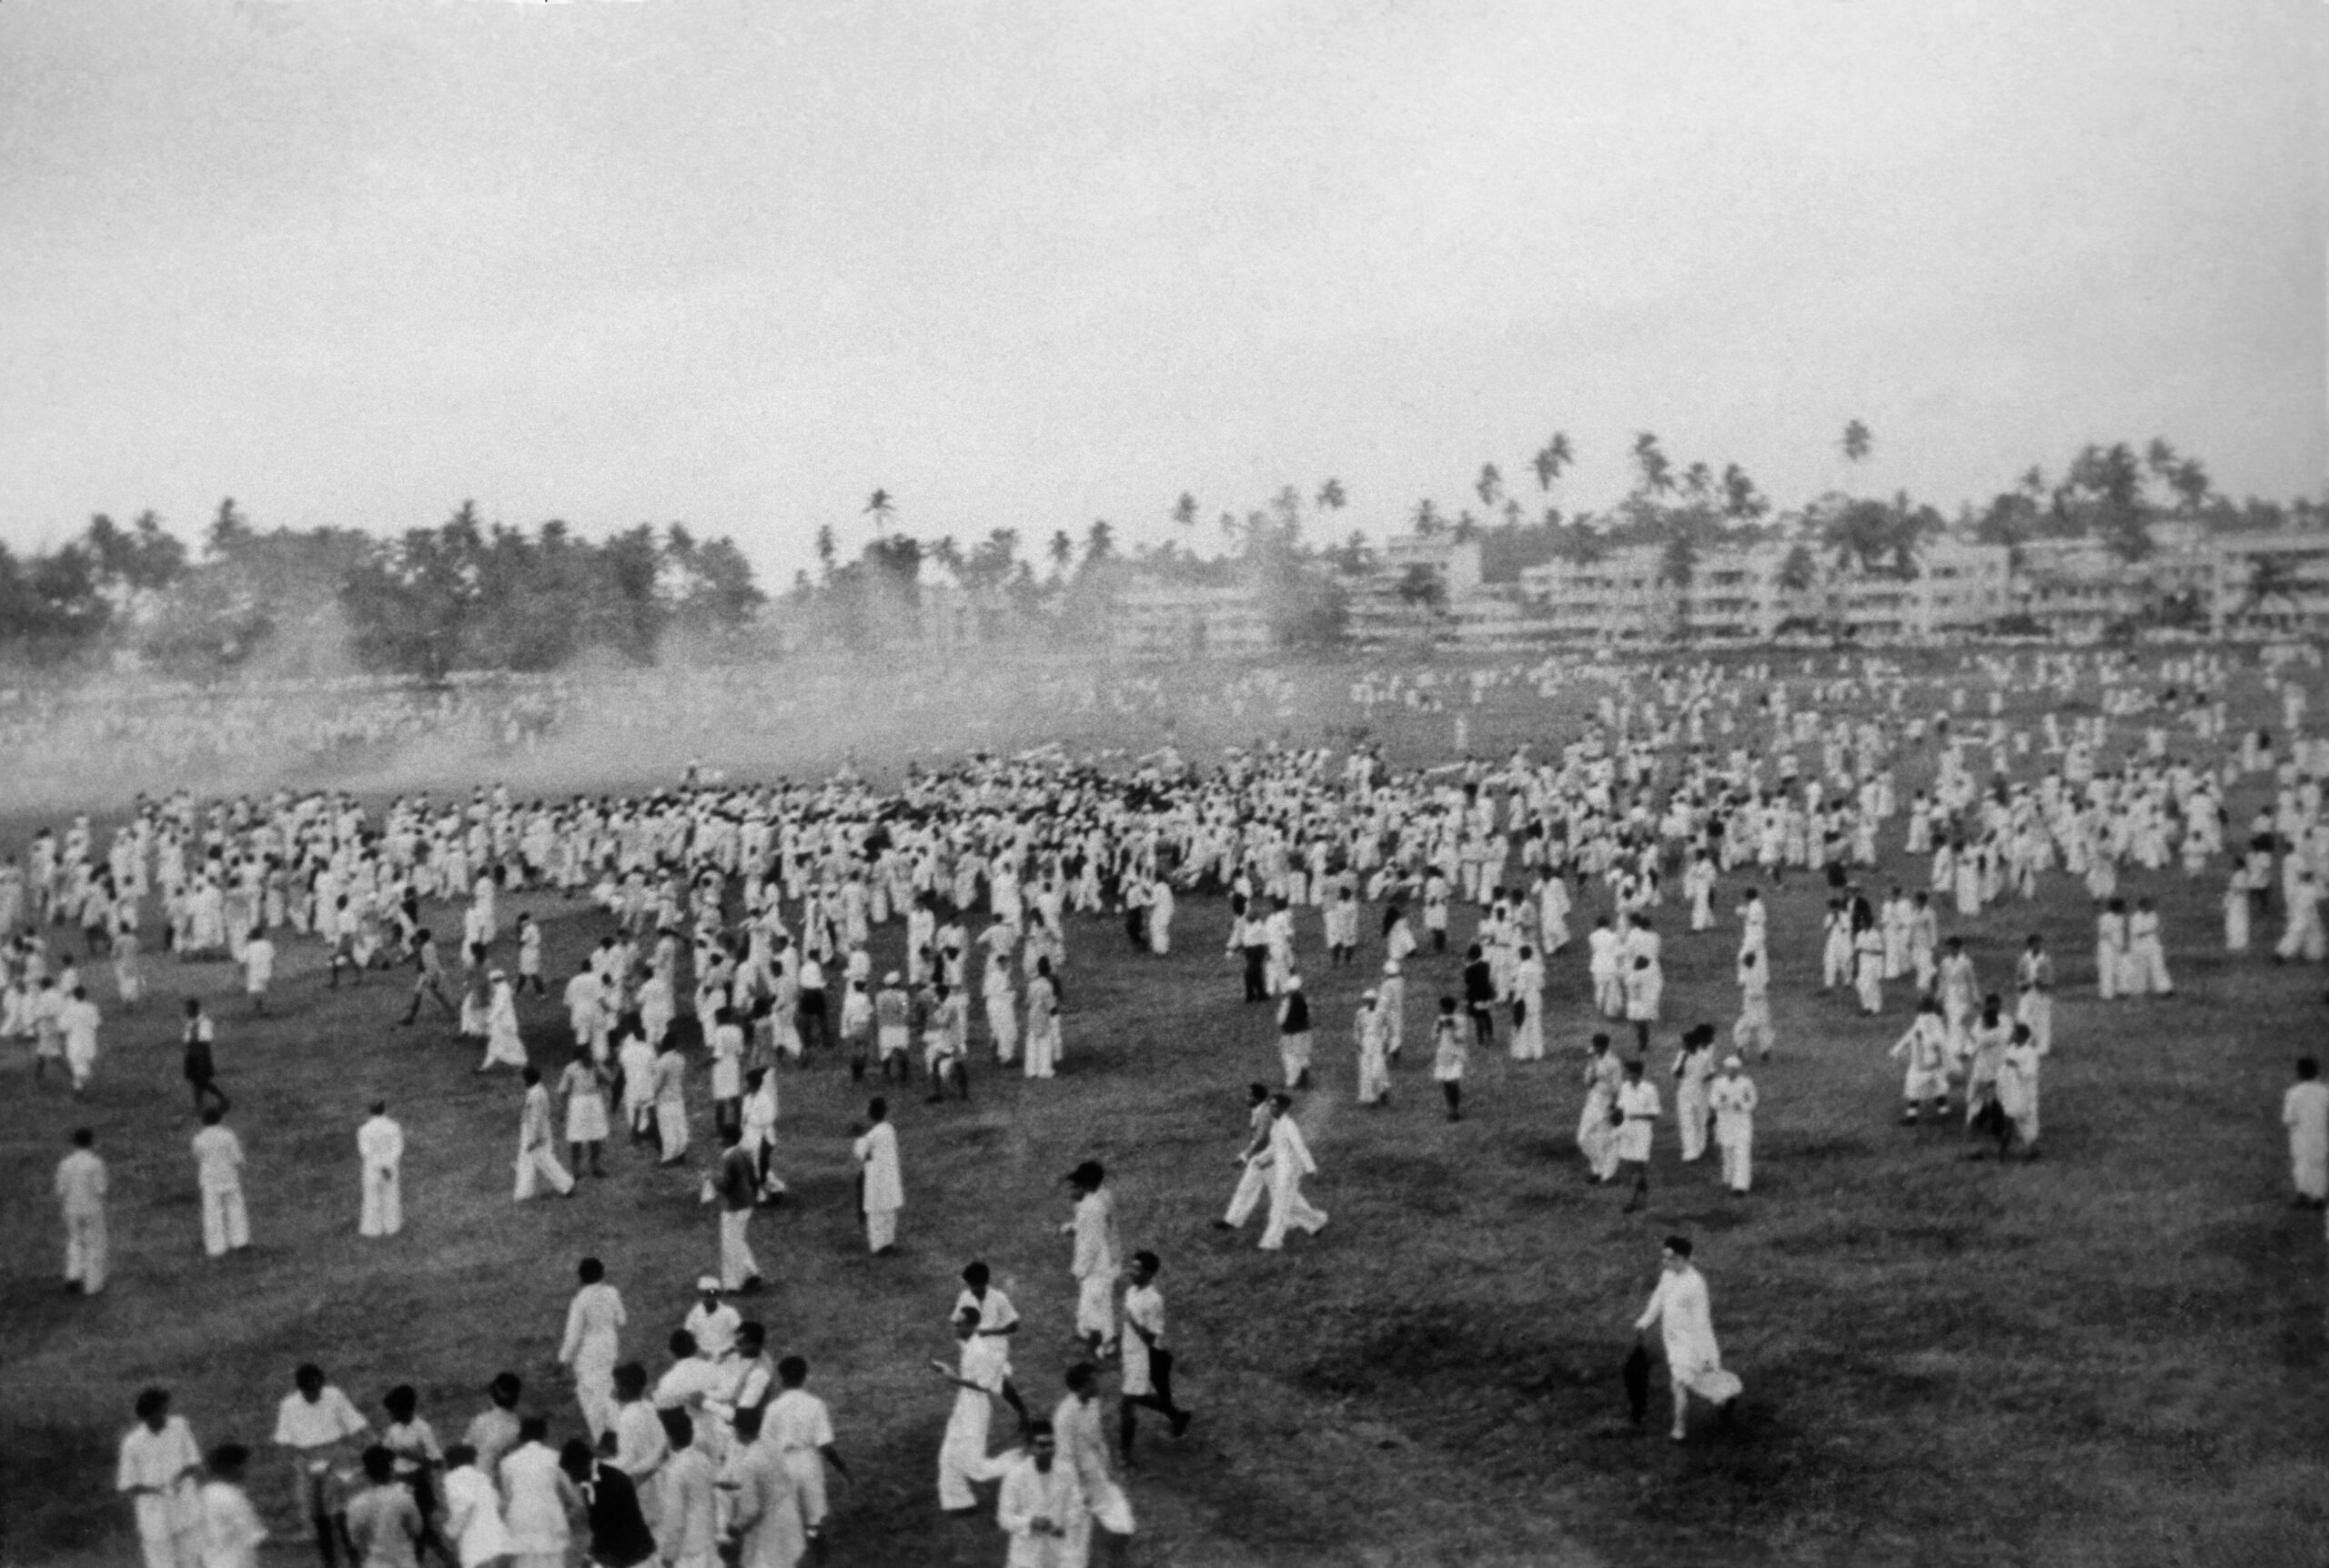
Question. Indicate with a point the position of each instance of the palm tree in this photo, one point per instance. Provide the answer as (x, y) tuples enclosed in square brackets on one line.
[(879, 508), (1552, 458), (825, 551), (1857, 442), (1697, 481), (1656, 470), (1099, 542), (1331, 498), (1467, 526), (1184, 511), (1422, 591), (2033, 482), (2189, 483), (1426, 519), (1287, 505), (1228, 526), (1741, 502), (1062, 551), (1489, 485)]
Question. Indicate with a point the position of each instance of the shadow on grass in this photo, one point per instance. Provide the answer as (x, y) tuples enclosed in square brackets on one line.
[(43, 1471)]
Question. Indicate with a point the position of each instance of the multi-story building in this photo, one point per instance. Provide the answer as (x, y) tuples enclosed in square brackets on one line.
[(2080, 590), (1738, 594), (1385, 607), (1151, 619), (1614, 597), (2267, 583)]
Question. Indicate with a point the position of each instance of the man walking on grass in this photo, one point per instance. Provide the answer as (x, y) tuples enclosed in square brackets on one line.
[(1685, 1318)]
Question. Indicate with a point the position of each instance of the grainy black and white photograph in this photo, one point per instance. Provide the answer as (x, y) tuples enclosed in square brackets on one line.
[(1007, 784)]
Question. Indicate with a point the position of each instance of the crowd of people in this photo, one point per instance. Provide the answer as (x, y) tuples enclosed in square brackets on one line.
[(734, 925)]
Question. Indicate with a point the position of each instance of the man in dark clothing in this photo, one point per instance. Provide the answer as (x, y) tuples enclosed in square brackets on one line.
[(619, 1535), (1479, 995)]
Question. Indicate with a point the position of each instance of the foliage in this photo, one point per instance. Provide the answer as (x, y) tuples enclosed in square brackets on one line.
[(461, 596), (1420, 589)]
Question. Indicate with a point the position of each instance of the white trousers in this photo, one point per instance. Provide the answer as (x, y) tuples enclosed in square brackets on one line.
[(1690, 1120), (85, 1253), (1739, 1163), (594, 1391), (881, 1228), (737, 1264), (383, 1203), (225, 1223)]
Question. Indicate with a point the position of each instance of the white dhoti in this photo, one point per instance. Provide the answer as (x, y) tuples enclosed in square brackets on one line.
[(1096, 1306), (1252, 1182), (537, 1167), (594, 1391), (383, 1203), (963, 1458), (737, 1264), (1288, 1207)]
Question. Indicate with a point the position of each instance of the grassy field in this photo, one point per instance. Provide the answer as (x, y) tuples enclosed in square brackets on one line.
[(2110, 1356)]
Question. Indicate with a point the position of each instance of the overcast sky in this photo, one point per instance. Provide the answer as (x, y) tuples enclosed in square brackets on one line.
[(736, 263)]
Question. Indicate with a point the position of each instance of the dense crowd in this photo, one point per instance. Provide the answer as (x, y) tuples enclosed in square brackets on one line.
[(738, 921)]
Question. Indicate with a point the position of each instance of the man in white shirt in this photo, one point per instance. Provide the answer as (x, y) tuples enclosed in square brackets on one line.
[(1253, 1170), (882, 1185), (218, 1167), (1097, 1248), (586, 1010), (963, 1458), (798, 1425), (640, 1443), (595, 1320), (81, 1185), (1289, 1162), (1637, 1108), (1075, 1424), (77, 1022), (1732, 1099), (1681, 1308), (2305, 1111), (258, 968), (1147, 1359), (711, 1323), (317, 1422), (1042, 1505), (160, 1467), (380, 1145)]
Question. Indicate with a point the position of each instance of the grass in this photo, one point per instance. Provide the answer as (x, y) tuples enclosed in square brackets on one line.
[(2109, 1356)]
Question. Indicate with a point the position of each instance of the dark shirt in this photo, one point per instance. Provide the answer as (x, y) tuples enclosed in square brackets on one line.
[(619, 1535)]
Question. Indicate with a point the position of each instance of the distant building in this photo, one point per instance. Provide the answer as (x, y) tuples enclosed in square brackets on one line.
[(1153, 619), (1455, 562), (2267, 584)]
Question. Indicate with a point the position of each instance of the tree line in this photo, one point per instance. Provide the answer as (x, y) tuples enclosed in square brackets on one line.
[(464, 595)]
